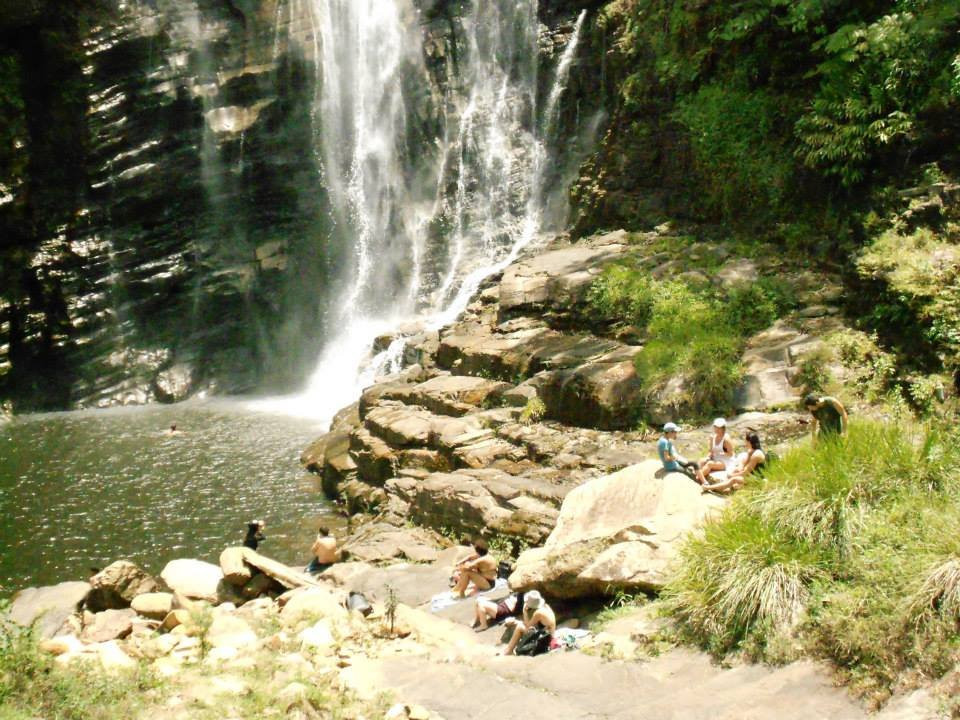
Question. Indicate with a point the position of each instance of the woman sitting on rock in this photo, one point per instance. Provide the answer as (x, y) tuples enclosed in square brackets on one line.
[(536, 614), (721, 457), (488, 612), (479, 569), (747, 462)]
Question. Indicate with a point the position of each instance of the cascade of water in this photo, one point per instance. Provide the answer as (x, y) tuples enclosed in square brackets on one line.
[(492, 155)]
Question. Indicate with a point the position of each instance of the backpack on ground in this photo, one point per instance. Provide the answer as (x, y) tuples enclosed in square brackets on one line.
[(535, 641)]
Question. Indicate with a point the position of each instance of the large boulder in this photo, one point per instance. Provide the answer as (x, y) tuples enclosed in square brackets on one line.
[(230, 631), (47, 608), (375, 460), (338, 463), (381, 542), (155, 606), (606, 393), (478, 501), (312, 604), (193, 578), (449, 394), (115, 587), (235, 570), (109, 625), (618, 532)]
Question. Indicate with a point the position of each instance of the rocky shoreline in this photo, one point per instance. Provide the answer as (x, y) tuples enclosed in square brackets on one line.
[(234, 639), (512, 424)]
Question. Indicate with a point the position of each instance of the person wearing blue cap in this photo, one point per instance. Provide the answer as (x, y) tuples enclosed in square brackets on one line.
[(671, 459)]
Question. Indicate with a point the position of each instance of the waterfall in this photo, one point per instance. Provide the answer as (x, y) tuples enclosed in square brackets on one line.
[(480, 180)]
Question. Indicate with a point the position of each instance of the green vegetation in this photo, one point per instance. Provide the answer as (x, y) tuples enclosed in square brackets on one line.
[(691, 336), (695, 333), (32, 685), (533, 411), (779, 101), (821, 127), (845, 552)]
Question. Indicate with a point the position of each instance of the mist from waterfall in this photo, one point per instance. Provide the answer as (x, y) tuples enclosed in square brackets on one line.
[(481, 180)]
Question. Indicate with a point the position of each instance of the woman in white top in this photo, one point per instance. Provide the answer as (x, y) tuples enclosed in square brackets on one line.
[(747, 463), (721, 455)]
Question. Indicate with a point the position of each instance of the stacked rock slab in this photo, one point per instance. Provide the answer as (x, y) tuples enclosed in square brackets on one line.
[(497, 416)]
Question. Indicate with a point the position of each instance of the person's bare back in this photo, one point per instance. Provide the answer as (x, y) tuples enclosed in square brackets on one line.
[(325, 549)]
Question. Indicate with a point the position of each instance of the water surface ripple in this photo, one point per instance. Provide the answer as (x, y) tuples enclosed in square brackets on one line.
[(80, 489)]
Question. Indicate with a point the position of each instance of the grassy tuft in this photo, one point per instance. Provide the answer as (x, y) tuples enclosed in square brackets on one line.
[(694, 333), (848, 547), (821, 494), (939, 596), (740, 575), (690, 337), (32, 685)]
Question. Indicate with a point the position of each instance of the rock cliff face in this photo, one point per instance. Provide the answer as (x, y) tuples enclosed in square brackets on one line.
[(168, 222)]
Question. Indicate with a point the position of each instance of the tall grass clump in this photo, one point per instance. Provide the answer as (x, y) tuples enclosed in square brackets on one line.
[(32, 685), (690, 338), (695, 335), (849, 547), (821, 494), (742, 575), (622, 295)]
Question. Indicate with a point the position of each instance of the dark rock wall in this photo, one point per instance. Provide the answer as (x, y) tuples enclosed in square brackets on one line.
[(170, 213), (165, 228)]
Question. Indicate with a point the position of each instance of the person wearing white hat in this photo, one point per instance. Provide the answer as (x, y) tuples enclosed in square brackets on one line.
[(536, 613), (671, 459), (721, 456)]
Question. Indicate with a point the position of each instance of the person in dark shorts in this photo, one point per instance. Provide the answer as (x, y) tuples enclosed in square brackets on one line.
[(829, 416), (488, 612), (480, 568)]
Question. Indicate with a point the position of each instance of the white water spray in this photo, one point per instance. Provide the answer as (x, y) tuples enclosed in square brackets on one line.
[(363, 51)]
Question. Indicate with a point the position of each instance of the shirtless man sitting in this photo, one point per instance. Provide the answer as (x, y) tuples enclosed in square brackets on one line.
[(536, 613), (325, 551), (479, 569)]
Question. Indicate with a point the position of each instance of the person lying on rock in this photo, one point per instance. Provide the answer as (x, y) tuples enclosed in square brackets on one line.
[(536, 613), (720, 458), (325, 551), (487, 612), (671, 459), (829, 416), (747, 462), (254, 534), (480, 569)]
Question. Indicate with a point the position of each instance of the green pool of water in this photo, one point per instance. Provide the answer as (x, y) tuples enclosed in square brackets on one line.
[(81, 489)]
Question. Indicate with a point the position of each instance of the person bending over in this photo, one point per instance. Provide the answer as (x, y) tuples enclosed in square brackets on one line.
[(671, 459), (487, 612), (536, 613), (721, 451), (829, 416), (747, 463), (479, 569), (325, 551)]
